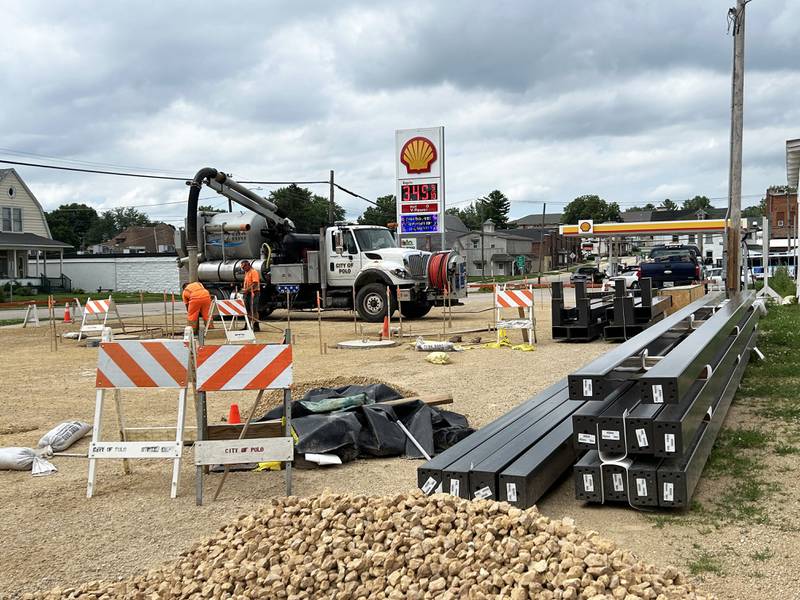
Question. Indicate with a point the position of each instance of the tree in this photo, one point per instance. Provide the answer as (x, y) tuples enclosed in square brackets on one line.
[(209, 209), (469, 216), (307, 211), (755, 212), (697, 203), (384, 213), (496, 207), (648, 206), (71, 223), (591, 207), (111, 222), (668, 204)]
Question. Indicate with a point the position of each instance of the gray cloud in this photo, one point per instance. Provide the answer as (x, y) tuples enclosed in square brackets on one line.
[(546, 100)]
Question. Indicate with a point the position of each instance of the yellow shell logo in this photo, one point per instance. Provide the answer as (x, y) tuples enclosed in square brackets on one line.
[(418, 154), (586, 227)]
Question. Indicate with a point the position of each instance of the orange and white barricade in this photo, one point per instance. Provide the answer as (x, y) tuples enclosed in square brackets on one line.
[(99, 311), (257, 367), (139, 365), (230, 311), (522, 300)]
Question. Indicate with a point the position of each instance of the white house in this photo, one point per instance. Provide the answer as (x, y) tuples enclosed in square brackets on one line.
[(24, 235)]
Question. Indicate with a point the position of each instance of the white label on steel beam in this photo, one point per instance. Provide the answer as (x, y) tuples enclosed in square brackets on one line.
[(232, 452), (135, 450), (482, 493), (429, 485), (641, 438), (641, 486), (669, 492), (511, 492), (616, 480), (658, 393), (455, 487), (586, 438), (610, 434), (669, 442), (587, 388), (588, 482)]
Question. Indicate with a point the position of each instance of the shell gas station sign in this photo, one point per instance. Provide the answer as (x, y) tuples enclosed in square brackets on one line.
[(419, 163)]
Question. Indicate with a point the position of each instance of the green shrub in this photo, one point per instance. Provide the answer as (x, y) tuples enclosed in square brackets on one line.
[(782, 282)]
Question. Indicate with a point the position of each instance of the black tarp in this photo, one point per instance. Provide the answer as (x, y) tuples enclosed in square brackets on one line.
[(371, 429)]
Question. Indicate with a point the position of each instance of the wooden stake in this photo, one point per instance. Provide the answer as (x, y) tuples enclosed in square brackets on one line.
[(355, 312), (141, 303), (319, 323), (172, 332), (389, 310), (166, 323)]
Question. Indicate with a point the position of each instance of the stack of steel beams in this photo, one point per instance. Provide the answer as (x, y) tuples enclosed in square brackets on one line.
[(640, 420), (654, 437), (583, 322), (632, 314)]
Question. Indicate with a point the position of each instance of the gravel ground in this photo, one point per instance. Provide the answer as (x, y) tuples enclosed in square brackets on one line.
[(53, 535)]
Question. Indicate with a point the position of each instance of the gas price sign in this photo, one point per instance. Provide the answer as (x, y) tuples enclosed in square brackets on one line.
[(420, 180)]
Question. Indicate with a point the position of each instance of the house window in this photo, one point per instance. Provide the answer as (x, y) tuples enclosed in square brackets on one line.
[(475, 244), (11, 219), (780, 219)]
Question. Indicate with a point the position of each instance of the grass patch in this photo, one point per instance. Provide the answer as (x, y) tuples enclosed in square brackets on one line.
[(762, 555), (4, 322), (728, 458), (786, 449), (705, 562)]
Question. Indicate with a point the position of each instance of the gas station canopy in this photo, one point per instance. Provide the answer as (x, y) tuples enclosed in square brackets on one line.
[(589, 229)]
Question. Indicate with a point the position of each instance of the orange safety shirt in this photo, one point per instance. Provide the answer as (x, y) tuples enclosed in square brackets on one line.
[(252, 280), (195, 291)]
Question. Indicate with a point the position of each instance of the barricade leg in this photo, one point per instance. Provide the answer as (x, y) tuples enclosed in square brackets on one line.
[(98, 418), (126, 464), (176, 465), (287, 415)]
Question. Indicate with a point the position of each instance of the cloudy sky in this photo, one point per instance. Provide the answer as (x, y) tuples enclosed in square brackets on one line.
[(545, 100)]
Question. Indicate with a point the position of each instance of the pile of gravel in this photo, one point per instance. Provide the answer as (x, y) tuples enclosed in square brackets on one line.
[(406, 546)]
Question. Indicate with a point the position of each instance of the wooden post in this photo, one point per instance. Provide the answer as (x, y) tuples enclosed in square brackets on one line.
[(141, 303), (319, 324), (166, 322), (288, 316), (355, 312), (389, 310), (734, 227), (172, 331)]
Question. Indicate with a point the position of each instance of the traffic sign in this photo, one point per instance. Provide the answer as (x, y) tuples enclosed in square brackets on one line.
[(520, 262)]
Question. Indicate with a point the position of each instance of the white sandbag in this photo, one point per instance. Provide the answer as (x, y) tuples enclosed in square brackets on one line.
[(62, 436), (422, 346), (42, 467), (16, 459)]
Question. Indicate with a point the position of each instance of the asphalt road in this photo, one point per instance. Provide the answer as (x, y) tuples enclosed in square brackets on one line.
[(125, 310)]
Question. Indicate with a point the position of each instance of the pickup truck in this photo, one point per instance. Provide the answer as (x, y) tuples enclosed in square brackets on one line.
[(672, 265)]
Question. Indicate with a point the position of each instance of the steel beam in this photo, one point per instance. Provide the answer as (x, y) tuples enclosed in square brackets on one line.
[(643, 481), (588, 382), (484, 475), (585, 419), (534, 472), (456, 477), (677, 478), (669, 381), (589, 478), (676, 425)]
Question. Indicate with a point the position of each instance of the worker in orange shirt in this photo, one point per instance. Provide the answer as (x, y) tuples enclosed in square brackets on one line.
[(198, 302), (252, 289)]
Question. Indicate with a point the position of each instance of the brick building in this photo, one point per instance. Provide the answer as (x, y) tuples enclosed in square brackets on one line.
[(782, 211)]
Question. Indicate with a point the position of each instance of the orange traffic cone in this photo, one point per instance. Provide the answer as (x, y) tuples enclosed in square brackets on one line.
[(385, 332), (67, 316), (234, 418)]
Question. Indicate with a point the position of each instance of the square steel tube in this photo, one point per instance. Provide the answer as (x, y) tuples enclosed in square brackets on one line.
[(615, 482), (643, 481), (484, 476), (676, 425), (588, 478), (587, 383), (611, 425), (585, 419), (677, 478), (670, 380), (639, 428), (529, 477), (432, 470), (456, 477)]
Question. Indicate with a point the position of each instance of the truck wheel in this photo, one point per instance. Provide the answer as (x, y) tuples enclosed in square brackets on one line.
[(371, 302), (415, 310)]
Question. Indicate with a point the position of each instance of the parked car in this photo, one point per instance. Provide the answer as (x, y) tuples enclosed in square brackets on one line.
[(587, 274), (630, 273), (672, 265), (714, 278)]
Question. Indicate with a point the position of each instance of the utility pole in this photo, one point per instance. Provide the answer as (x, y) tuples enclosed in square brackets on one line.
[(736, 18), (330, 202), (541, 242)]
